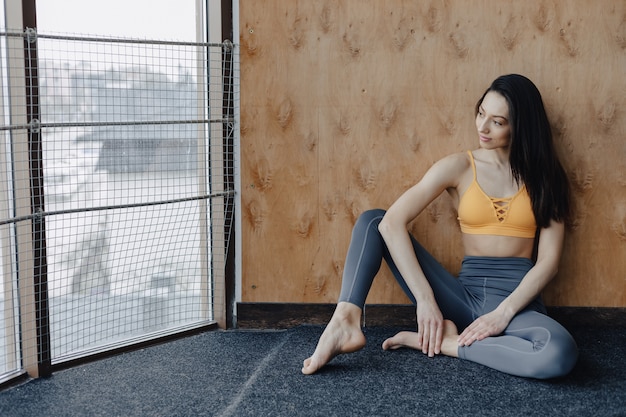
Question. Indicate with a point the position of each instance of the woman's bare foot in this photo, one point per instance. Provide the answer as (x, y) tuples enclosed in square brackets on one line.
[(404, 339), (411, 340), (342, 335)]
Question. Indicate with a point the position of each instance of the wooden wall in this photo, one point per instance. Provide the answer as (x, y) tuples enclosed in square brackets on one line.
[(345, 103)]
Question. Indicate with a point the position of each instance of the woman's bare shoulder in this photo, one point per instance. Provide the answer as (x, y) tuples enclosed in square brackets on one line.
[(449, 171), (456, 163)]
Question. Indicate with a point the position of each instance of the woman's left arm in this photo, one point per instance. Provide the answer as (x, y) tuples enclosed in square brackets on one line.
[(548, 257)]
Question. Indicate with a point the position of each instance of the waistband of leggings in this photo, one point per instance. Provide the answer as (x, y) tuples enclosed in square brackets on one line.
[(496, 267)]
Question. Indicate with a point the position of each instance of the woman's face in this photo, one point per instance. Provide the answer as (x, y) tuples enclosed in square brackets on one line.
[(492, 122)]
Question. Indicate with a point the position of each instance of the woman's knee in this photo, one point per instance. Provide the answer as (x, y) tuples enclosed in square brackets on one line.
[(369, 215), (555, 350), (564, 354), (370, 218), (558, 357)]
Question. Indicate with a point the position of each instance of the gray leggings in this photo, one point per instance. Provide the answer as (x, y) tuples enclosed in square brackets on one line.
[(533, 345)]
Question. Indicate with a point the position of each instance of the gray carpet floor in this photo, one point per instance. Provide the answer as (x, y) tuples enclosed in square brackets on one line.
[(257, 373)]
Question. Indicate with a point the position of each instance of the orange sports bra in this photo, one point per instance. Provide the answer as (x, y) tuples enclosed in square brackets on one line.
[(480, 214)]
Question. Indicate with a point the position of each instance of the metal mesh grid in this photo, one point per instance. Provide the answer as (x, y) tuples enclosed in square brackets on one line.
[(130, 150)]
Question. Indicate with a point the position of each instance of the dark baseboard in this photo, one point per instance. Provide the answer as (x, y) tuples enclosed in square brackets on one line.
[(286, 315)]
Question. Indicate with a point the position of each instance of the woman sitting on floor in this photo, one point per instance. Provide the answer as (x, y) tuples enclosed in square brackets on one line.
[(508, 193)]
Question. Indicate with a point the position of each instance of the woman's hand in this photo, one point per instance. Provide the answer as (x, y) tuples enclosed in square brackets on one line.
[(490, 324), (429, 327)]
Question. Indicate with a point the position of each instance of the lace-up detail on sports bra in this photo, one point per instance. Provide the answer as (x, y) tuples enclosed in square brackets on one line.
[(501, 206), (481, 214)]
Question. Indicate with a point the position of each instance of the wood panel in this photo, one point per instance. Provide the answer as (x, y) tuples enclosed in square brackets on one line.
[(345, 104)]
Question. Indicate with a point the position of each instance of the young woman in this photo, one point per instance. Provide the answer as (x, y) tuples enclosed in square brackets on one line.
[(510, 193)]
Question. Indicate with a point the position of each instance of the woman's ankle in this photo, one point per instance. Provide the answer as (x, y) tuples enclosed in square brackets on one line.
[(348, 313), (450, 344)]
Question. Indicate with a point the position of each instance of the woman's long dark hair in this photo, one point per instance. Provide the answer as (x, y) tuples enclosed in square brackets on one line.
[(533, 158)]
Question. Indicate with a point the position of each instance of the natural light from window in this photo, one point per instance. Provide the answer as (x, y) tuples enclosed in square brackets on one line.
[(125, 152)]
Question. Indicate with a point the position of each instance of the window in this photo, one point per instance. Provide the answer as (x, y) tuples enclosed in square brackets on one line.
[(116, 185)]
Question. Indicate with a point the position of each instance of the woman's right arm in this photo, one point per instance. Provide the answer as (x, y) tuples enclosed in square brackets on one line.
[(444, 174)]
